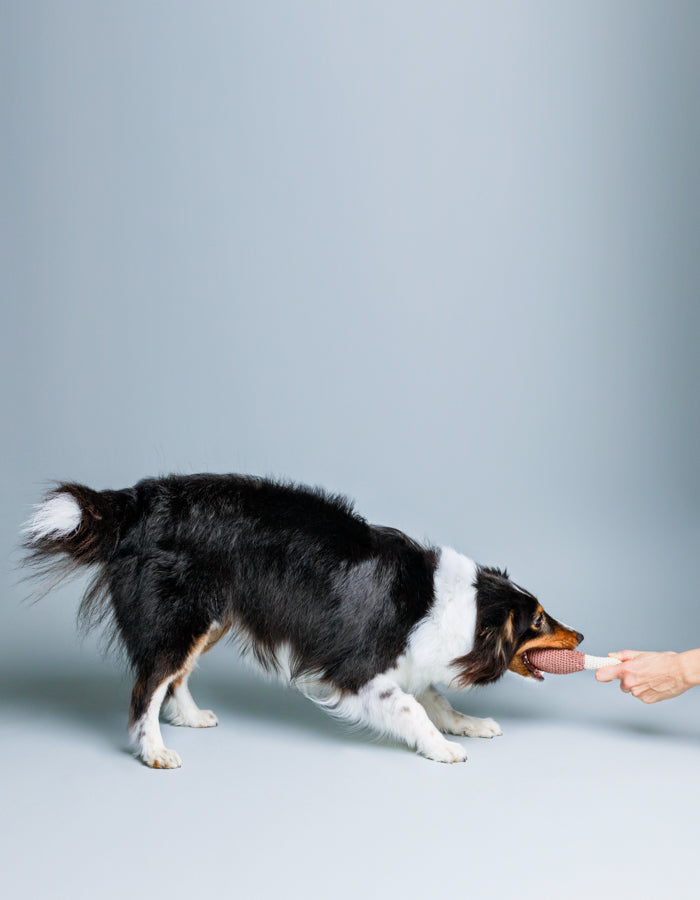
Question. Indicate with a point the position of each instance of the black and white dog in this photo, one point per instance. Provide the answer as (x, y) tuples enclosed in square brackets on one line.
[(368, 616)]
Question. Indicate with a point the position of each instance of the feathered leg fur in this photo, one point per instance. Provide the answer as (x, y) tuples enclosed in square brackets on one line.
[(384, 707), (449, 721)]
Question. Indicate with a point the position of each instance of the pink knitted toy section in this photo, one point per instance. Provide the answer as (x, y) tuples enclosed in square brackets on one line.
[(564, 662), (557, 662)]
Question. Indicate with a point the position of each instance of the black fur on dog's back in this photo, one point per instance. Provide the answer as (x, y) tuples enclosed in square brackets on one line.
[(280, 564)]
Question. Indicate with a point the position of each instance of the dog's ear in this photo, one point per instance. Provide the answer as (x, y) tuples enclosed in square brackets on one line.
[(488, 660), (494, 570)]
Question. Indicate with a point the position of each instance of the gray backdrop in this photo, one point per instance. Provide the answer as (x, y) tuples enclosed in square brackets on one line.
[(442, 257)]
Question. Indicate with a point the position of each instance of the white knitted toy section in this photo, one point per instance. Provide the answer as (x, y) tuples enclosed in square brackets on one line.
[(597, 662)]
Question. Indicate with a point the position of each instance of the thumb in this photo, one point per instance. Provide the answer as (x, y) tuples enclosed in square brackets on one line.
[(607, 673)]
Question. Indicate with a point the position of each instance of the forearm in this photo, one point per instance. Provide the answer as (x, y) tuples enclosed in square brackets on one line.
[(690, 666)]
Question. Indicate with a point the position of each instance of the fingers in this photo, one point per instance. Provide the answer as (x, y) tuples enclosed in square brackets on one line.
[(629, 686), (624, 655), (629, 683), (649, 697), (648, 677), (608, 673)]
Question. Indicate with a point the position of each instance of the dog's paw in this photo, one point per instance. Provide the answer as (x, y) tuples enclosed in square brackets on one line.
[(162, 759), (203, 718), (468, 726), (444, 751), (199, 718)]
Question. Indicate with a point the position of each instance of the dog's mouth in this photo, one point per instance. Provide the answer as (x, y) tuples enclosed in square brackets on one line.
[(560, 638), (534, 671)]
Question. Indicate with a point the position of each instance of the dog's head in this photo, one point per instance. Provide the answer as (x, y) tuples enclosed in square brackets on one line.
[(509, 622)]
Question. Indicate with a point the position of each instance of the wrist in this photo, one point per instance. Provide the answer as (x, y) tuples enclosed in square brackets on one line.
[(690, 667)]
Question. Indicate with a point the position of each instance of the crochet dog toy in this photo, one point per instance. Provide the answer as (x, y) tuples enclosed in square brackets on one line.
[(564, 662)]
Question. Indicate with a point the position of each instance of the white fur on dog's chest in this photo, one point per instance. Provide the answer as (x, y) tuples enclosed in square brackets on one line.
[(447, 632)]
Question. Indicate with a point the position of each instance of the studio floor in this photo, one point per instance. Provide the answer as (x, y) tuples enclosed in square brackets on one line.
[(588, 793)]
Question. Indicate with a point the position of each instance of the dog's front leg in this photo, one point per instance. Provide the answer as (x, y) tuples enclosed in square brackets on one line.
[(450, 721), (383, 706)]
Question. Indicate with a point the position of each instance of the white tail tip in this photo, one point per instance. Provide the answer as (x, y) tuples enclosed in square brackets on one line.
[(59, 515)]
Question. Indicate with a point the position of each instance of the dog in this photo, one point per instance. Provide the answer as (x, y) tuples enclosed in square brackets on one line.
[(363, 618)]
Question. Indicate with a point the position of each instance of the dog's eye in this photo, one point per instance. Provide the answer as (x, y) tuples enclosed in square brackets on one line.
[(539, 622)]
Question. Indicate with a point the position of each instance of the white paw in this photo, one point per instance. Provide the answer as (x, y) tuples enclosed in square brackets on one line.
[(472, 727), (205, 718), (444, 751), (162, 759), (201, 718)]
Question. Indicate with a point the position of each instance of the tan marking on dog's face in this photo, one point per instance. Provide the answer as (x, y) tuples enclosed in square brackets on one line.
[(506, 635), (560, 639), (509, 627)]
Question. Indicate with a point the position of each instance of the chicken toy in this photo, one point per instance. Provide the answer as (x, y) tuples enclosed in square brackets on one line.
[(564, 662)]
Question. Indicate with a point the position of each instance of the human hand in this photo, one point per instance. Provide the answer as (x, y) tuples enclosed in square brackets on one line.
[(649, 676)]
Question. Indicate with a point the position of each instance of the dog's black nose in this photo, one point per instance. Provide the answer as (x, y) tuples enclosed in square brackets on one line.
[(579, 637)]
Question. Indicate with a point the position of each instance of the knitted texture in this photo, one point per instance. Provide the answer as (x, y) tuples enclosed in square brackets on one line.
[(557, 662), (597, 662), (564, 662)]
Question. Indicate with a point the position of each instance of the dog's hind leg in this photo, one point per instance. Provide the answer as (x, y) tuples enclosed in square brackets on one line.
[(168, 671), (180, 707), (144, 728), (383, 706), (450, 721)]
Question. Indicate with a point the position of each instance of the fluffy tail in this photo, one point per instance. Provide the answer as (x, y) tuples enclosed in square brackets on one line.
[(73, 527)]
